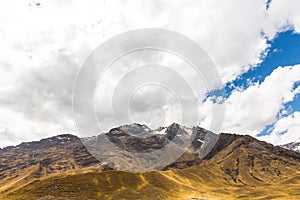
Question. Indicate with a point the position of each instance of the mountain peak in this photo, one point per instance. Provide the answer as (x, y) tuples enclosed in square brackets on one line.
[(295, 146)]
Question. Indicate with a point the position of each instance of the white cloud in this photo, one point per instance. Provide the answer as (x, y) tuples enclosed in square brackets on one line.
[(229, 32), (286, 130), (249, 111), (16, 127), (42, 47), (282, 15)]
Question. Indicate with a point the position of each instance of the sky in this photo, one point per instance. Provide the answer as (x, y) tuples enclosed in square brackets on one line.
[(254, 45)]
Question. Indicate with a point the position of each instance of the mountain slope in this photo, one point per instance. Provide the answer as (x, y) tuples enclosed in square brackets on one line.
[(237, 167), (249, 161), (195, 182), (56, 155)]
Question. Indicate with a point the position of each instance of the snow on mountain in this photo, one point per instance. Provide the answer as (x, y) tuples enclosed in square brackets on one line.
[(295, 146)]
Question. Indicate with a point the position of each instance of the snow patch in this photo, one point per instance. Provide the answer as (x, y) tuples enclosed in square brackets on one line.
[(161, 132), (200, 141), (297, 141)]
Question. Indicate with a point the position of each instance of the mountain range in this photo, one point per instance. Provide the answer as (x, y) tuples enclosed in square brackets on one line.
[(295, 146), (224, 166)]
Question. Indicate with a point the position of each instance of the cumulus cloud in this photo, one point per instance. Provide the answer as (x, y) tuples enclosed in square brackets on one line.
[(285, 130), (44, 44), (229, 32), (248, 111), (282, 15)]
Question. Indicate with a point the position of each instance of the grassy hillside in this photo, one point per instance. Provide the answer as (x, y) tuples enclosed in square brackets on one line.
[(196, 182)]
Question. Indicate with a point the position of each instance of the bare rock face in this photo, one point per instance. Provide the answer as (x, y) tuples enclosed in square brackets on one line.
[(137, 147), (140, 138)]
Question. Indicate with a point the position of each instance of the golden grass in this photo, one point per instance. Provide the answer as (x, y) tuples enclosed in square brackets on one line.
[(192, 183)]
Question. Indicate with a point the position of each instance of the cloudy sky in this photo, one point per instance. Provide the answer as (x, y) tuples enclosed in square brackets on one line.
[(254, 45)]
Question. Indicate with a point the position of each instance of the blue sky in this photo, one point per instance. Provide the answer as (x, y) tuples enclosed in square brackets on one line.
[(284, 51)]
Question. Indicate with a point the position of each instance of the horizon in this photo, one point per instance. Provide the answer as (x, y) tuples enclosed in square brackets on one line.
[(150, 129)]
